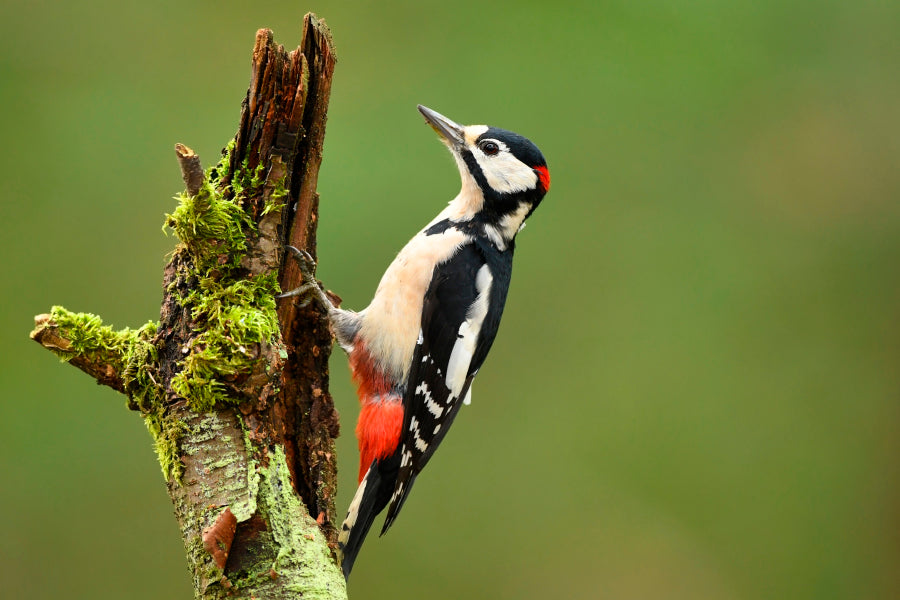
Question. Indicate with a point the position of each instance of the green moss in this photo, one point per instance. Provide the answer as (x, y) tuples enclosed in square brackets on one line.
[(231, 312), (167, 433), (231, 318), (132, 354), (276, 200), (247, 180), (94, 340), (144, 392), (222, 170), (210, 226)]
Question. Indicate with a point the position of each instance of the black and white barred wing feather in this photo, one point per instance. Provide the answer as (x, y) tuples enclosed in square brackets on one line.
[(460, 316)]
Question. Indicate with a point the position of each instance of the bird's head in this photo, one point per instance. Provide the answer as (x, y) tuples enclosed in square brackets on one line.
[(504, 175)]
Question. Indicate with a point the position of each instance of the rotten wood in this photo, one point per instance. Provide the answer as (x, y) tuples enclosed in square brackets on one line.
[(281, 128), (307, 327), (282, 132)]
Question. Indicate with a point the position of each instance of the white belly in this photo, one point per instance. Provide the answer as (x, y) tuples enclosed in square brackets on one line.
[(392, 321)]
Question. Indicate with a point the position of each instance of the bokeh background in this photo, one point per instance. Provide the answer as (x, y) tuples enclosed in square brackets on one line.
[(694, 393)]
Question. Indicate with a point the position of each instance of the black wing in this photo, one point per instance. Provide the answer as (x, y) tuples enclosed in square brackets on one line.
[(460, 318)]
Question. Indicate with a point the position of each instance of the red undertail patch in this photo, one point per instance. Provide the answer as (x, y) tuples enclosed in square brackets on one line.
[(378, 431), (381, 416)]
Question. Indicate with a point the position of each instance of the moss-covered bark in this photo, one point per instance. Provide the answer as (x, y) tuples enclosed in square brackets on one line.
[(233, 387)]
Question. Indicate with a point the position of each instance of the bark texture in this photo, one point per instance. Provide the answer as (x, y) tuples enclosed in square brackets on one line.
[(232, 386)]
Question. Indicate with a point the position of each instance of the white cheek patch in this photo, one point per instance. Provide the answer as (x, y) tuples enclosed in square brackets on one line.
[(506, 173)]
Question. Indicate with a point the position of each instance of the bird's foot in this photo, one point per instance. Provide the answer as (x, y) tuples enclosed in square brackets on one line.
[(310, 290)]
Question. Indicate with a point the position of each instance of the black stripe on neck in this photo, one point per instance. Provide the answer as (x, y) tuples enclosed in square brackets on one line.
[(496, 204)]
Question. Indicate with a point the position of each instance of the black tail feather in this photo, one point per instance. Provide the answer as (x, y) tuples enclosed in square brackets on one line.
[(371, 497), (395, 507)]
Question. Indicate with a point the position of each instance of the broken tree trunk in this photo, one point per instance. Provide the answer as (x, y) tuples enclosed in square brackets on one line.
[(232, 386)]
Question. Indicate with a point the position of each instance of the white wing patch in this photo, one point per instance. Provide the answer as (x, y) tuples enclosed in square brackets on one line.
[(464, 348)]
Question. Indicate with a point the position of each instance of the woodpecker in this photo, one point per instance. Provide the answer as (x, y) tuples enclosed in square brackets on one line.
[(416, 348)]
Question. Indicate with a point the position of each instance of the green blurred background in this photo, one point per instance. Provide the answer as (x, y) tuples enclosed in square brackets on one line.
[(694, 393)]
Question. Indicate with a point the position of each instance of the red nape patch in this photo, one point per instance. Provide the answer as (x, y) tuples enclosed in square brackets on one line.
[(378, 431), (544, 174)]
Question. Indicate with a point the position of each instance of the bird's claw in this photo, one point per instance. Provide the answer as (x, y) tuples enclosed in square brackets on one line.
[(300, 291), (310, 287), (305, 261)]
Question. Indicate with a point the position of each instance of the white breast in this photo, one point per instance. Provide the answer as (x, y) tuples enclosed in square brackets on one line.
[(391, 322)]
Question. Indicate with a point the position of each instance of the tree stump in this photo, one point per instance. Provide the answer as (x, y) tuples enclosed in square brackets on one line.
[(232, 384)]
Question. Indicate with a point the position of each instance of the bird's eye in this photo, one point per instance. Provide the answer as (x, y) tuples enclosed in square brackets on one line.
[(490, 148)]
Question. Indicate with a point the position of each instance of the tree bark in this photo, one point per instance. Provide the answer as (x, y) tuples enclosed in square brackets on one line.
[(232, 386)]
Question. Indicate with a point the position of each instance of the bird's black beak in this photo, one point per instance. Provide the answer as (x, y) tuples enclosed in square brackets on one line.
[(447, 129)]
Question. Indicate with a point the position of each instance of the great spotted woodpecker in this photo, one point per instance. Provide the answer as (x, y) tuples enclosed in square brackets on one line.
[(415, 349)]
